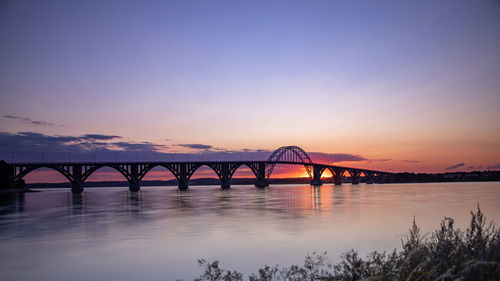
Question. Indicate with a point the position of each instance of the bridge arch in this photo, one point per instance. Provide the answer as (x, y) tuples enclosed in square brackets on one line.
[(28, 170), (252, 167), (220, 169), (148, 168), (118, 168), (289, 155), (196, 167), (325, 171)]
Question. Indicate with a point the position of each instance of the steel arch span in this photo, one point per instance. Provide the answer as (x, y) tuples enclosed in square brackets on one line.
[(289, 155)]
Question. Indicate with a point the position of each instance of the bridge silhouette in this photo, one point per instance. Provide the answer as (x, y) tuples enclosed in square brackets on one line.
[(78, 172)]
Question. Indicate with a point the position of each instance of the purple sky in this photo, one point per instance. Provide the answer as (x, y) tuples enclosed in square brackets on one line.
[(412, 83)]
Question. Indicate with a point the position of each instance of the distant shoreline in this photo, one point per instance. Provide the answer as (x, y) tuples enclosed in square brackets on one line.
[(397, 178)]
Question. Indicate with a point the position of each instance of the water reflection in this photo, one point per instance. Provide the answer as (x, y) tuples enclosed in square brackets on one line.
[(316, 197), (134, 204), (77, 203), (159, 232), (184, 200), (260, 200), (11, 203), (223, 204)]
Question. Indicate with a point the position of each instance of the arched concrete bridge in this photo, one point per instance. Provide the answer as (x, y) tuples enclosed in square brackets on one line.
[(134, 172)]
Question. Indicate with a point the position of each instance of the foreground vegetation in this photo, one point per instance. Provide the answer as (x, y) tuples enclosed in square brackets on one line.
[(447, 254)]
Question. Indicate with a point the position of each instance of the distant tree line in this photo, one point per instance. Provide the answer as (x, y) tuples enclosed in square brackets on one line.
[(447, 177)]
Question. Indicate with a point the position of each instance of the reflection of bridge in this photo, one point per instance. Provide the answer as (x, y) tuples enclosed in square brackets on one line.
[(134, 172)]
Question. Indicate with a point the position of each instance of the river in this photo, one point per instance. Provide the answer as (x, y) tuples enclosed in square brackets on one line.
[(159, 233)]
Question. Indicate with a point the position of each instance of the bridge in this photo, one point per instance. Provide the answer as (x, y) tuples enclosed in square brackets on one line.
[(134, 172)]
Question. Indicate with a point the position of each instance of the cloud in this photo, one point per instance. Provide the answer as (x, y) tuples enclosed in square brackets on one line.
[(36, 142), (453, 167), (378, 160), (30, 121), (335, 157), (411, 161), (196, 146), (142, 146), (99, 137)]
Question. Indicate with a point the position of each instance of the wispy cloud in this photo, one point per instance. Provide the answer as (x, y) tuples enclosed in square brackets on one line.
[(411, 161), (335, 157), (453, 167), (141, 146), (207, 148), (99, 137), (195, 146), (378, 160), (27, 120)]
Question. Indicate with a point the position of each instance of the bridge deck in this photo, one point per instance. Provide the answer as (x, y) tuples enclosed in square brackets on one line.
[(134, 171)]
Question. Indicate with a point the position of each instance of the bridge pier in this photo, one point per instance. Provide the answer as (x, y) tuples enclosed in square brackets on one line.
[(76, 187), (183, 185), (338, 173), (225, 180), (338, 179), (355, 174), (316, 176), (316, 182), (225, 185), (134, 183), (261, 181), (355, 180), (76, 183), (369, 179), (183, 179), (134, 187)]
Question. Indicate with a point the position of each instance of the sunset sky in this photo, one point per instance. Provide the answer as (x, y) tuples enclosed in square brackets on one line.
[(387, 85)]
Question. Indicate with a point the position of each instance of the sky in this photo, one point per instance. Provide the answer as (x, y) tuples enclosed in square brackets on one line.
[(387, 85)]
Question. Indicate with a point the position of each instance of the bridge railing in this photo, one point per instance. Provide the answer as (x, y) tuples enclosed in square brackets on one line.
[(96, 157)]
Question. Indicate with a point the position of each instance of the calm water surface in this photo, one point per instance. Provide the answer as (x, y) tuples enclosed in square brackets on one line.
[(157, 234)]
